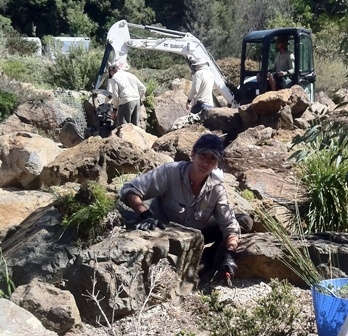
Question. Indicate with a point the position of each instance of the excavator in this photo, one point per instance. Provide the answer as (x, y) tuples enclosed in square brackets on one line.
[(258, 52)]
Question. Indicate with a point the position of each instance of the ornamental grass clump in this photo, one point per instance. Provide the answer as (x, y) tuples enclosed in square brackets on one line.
[(295, 256), (322, 161), (86, 210)]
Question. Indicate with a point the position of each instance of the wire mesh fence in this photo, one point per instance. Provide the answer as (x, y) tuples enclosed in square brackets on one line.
[(68, 106)]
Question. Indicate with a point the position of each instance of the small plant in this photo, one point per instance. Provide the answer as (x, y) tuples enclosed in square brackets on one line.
[(341, 292), (6, 285), (247, 194), (185, 333), (8, 103), (149, 103), (86, 210)]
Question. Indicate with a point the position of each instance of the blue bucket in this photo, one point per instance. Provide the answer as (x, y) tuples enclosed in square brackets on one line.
[(330, 311)]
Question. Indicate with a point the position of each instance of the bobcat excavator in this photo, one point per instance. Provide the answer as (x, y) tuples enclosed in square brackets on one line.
[(258, 52)]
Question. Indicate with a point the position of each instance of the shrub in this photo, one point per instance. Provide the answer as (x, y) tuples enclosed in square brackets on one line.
[(76, 70), (8, 103), (331, 74), (25, 69), (16, 45)]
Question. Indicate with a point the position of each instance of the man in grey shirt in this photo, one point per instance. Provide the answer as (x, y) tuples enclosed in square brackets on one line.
[(191, 194)]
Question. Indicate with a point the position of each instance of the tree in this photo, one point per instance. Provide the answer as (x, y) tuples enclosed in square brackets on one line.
[(169, 13), (222, 24), (105, 13), (49, 17), (74, 17), (77, 21)]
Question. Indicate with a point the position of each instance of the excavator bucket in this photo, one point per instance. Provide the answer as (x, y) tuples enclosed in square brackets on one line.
[(69, 135)]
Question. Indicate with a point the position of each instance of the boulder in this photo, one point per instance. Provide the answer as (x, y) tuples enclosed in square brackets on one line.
[(17, 205), (23, 156), (136, 136), (99, 159), (169, 107), (15, 321), (56, 309), (117, 267)]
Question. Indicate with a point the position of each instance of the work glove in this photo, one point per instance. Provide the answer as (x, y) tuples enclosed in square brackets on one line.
[(228, 265), (148, 222)]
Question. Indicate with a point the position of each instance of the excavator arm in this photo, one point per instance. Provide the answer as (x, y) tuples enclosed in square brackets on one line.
[(119, 42)]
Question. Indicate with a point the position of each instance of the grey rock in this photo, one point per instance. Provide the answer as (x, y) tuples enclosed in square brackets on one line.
[(15, 321)]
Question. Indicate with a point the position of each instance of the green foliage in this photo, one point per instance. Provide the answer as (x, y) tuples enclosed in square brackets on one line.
[(78, 22), (25, 69), (331, 74), (15, 44), (247, 194), (283, 19), (149, 103), (269, 317), (327, 38), (341, 292), (56, 18), (185, 333), (8, 104), (323, 166), (303, 12), (86, 210), (6, 285), (76, 70), (141, 59)]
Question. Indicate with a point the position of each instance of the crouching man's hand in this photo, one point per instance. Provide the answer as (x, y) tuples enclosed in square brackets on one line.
[(228, 265), (148, 222), (232, 242)]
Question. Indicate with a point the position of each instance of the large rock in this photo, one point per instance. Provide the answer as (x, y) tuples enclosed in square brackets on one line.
[(178, 144), (42, 116), (224, 119), (15, 321), (270, 102), (14, 124), (169, 107), (55, 308), (256, 148), (23, 156), (17, 205), (120, 264), (276, 109), (260, 255), (299, 100), (99, 159), (136, 135)]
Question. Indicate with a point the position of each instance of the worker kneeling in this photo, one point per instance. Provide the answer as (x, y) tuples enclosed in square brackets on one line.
[(191, 194)]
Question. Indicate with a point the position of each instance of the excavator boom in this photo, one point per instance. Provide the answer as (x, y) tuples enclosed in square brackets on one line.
[(119, 42)]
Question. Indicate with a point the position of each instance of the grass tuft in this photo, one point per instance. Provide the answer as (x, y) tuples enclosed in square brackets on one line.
[(86, 210)]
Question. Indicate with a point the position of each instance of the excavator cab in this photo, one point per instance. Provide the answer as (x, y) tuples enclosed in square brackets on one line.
[(258, 55)]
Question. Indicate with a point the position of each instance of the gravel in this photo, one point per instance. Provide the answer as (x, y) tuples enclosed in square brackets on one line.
[(171, 318)]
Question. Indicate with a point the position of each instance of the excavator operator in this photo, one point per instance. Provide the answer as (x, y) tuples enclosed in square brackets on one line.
[(283, 65)]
